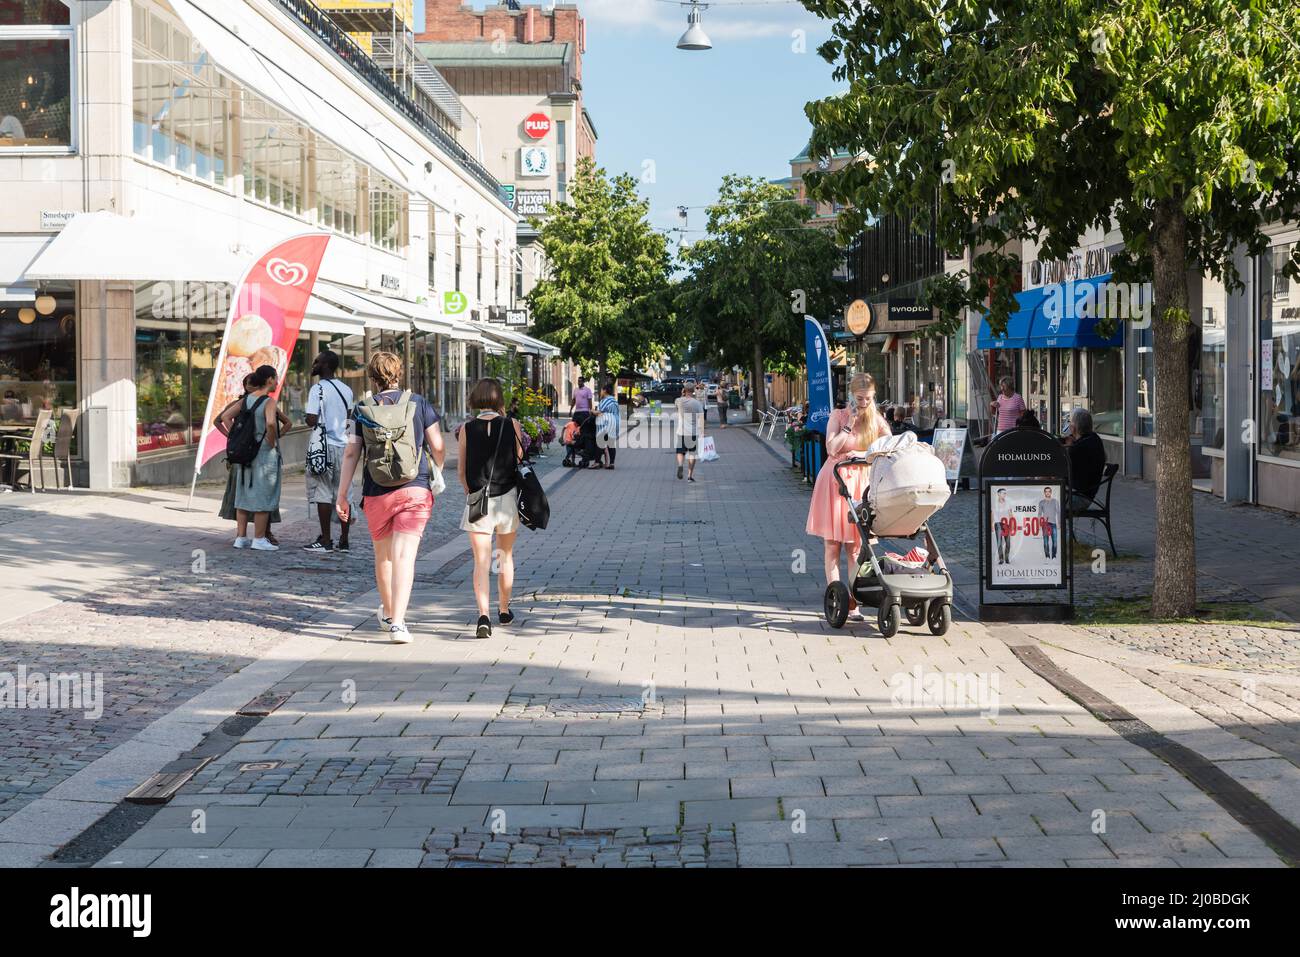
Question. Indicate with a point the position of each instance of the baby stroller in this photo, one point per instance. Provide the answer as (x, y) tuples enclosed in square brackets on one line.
[(579, 441), (908, 485)]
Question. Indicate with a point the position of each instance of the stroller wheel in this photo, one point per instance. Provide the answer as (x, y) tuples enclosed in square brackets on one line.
[(836, 604), (887, 620), (940, 618), (915, 615)]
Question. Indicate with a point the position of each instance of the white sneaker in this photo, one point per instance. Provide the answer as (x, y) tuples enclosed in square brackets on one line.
[(382, 620), (263, 545), (399, 634), (243, 542)]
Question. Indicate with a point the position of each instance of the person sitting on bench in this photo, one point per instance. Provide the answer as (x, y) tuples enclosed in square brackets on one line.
[(1087, 459)]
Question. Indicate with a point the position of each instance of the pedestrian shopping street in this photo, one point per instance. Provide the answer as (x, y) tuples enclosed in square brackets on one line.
[(670, 694)]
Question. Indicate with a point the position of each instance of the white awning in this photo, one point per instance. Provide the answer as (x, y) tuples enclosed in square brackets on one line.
[(521, 342), (109, 247), (357, 305), (433, 326), (322, 317), (17, 253), (464, 332), (300, 86)]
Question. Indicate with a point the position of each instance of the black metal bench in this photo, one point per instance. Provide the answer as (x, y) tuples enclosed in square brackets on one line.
[(1099, 509)]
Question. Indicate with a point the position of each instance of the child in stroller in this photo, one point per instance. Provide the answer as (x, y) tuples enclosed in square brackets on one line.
[(579, 441)]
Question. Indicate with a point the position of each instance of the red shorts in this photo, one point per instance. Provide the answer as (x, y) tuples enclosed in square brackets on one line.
[(406, 510)]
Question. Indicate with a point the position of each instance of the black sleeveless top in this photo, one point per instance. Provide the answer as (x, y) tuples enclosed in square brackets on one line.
[(481, 437)]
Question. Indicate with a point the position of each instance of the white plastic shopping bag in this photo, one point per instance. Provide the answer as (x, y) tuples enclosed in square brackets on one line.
[(708, 451)]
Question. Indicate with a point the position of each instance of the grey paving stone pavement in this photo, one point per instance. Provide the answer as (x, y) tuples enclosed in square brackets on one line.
[(670, 695)]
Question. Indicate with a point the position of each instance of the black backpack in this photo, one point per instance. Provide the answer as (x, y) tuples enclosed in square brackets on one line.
[(243, 443)]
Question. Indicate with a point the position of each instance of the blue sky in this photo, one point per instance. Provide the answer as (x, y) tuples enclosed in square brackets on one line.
[(698, 115)]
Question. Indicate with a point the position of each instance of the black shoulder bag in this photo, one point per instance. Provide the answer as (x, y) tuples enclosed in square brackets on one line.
[(477, 500)]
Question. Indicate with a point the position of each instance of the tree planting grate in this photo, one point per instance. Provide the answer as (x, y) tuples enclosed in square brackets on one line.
[(581, 706)]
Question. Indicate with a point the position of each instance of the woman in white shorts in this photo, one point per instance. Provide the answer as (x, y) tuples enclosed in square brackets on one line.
[(491, 446)]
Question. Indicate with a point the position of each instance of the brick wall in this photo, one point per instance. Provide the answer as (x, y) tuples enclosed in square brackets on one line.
[(452, 20)]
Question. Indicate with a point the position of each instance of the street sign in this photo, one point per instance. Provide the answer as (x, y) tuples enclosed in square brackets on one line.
[(1024, 483), (536, 125)]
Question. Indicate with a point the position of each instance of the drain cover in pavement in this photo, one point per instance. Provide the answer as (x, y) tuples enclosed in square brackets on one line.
[(601, 704), (581, 706)]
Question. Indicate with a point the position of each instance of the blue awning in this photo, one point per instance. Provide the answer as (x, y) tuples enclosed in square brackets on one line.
[(1066, 317), (1018, 324)]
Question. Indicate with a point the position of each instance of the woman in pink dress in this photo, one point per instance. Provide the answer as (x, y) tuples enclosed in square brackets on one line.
[(849, 432)]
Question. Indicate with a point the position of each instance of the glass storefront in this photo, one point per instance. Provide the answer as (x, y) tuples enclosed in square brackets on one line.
[(35, 75), (1105, 390), (1279, 357), (38, 352), (925, 375), (177, 339), (1145, 417)]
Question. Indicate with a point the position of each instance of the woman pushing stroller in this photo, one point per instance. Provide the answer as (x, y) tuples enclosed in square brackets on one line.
[(850, 431)]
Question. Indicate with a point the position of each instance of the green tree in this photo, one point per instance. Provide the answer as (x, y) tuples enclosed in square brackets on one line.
[(1177, 120), (603, 301), (754, 276)]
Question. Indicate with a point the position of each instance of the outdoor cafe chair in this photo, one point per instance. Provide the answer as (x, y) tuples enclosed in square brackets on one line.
[(28, 460)]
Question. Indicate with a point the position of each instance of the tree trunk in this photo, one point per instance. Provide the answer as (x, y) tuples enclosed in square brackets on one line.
[(756, 388), (600, 372), (1173, 593)]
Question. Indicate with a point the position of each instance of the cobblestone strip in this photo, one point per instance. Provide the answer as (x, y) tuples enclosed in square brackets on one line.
[(663, 846)]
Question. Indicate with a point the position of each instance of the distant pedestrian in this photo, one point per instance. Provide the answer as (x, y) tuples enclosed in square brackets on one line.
[(722, 404), (328, 409), (227, 510), (491, 447), (607, 426), (690, 429), (1008, 406), (257, 484), (582, 397), (398, 434)]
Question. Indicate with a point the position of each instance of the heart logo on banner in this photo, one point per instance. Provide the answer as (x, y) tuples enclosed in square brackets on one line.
[(286, 273)]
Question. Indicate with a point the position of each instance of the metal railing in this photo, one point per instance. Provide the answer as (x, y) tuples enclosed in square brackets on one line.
[(319, 24)]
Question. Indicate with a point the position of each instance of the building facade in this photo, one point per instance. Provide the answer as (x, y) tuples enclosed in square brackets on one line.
[(166, 143), (518, 71)]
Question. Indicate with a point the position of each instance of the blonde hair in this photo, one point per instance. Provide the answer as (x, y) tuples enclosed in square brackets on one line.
[(866, 422), (384, 370)]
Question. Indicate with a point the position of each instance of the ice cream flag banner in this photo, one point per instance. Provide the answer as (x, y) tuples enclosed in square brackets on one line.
[(265, 315)]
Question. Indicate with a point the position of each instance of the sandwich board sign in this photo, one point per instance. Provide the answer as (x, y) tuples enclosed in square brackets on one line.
[(1025, 548), (950, 446)]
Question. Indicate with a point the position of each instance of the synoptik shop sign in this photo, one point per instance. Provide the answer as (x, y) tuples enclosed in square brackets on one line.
[(818, 360)]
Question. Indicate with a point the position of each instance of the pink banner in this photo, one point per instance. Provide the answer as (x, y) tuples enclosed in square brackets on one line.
[(262, 328)]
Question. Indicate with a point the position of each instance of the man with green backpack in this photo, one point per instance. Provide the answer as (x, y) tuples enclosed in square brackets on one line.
[(399, 436)]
